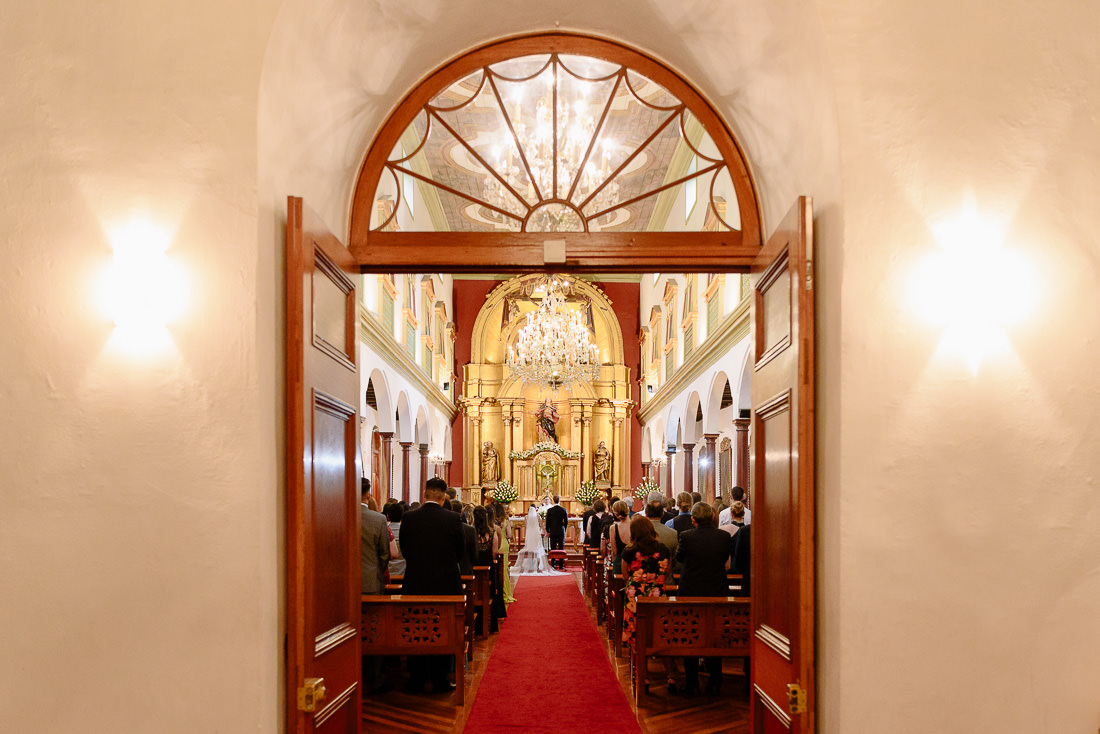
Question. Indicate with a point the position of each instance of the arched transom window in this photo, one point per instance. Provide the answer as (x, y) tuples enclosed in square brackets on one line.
[(582, 137)]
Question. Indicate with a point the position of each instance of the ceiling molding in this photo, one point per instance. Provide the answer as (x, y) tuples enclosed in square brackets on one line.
[(373, 333), (732, 330)]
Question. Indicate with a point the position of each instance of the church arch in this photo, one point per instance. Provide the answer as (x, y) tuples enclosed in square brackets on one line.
[(507, 213)]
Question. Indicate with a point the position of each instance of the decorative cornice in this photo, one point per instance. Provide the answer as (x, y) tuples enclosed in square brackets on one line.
[(731, 330), (545, 447), (373, 334)]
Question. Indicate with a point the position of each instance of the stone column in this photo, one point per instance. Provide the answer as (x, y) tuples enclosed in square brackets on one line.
[(405, 447), (385, 471), (711, 472), (689, 468), (741, 453), (616, 452), (423, 463), (447, 472), (670, 452)]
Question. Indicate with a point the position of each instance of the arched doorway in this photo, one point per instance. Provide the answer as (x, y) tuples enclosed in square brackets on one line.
[(582, 240)]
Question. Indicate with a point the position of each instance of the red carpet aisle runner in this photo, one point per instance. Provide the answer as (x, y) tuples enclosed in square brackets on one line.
[(549, 671)]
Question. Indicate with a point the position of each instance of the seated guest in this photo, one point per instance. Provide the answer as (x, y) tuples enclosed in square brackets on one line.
[(704, 555), (737, 518), (644, 569), (654, 509), (696, 498), (394, 513), (432, 544), (682, 522)]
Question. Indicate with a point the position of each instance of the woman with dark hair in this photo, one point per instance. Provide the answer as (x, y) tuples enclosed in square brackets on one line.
[(488, 540), (644, 568), (618, 535)]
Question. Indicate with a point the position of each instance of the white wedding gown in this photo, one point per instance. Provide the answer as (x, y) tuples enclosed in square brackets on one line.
[(532, 558)]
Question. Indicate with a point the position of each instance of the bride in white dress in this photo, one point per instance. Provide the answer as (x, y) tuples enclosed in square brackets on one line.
[(532, 557)]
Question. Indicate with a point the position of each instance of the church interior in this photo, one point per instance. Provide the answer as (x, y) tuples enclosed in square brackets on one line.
[(950, 568)]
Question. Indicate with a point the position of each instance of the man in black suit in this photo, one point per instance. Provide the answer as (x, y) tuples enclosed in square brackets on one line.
[(432, 543), (556, 521), (704, 554)]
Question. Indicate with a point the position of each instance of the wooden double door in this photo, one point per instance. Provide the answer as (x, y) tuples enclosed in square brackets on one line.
[(323, 470)]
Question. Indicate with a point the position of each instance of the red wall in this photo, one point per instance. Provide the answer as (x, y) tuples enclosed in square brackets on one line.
[(625, 300), (469, 297)]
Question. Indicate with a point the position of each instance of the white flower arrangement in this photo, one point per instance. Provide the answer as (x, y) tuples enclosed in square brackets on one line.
[(505, 493), (642, 490), (587, 493)]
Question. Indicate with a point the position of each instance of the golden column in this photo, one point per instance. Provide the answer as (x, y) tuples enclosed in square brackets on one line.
[(506, 474)]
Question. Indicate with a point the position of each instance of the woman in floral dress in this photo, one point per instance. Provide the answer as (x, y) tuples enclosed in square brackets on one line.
[(644, 567)]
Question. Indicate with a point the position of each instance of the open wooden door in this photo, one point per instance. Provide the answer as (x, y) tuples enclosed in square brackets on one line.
[(323, 584), (783, 695)]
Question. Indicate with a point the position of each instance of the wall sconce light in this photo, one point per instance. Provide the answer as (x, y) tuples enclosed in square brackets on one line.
[(142, 291), (972, 287)]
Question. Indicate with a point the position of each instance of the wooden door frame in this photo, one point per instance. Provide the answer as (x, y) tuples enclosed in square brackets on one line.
[(524, 252), (597, 253)]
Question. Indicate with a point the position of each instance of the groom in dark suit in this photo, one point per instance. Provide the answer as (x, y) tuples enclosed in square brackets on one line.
[(556, 521), (431, 541)]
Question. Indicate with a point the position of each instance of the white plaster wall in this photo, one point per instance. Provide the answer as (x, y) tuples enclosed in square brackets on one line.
[(141, 533), (969, 562), (137, 534)]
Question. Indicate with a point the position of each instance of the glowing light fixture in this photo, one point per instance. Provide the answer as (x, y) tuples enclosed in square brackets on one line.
[(553, 347), (973, 287), (142, 291)]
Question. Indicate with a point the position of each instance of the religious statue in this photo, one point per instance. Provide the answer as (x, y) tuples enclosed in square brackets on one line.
[(490, 469), (601, 465), (547, 420)]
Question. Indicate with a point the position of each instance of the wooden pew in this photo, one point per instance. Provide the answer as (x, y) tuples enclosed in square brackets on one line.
[(482, 597), (706, 626), (417, 625), (616, 599), (598, 584), (588, 571), (470, 612)]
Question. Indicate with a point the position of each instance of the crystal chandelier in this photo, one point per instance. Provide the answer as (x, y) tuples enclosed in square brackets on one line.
[(553, 346), (566, 139)]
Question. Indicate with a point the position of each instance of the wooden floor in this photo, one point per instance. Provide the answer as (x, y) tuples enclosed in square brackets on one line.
[(402, 712)]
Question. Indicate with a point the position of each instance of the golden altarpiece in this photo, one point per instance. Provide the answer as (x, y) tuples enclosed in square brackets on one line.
[(501, 414)]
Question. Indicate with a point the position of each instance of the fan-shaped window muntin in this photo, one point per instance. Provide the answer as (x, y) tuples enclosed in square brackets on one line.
[(556, 143)]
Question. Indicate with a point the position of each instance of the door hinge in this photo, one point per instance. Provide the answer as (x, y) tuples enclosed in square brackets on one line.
[(796, 699), (311, 694)]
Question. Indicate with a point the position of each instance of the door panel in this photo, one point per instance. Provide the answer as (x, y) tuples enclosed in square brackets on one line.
[(323, 470), (783, 491)]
